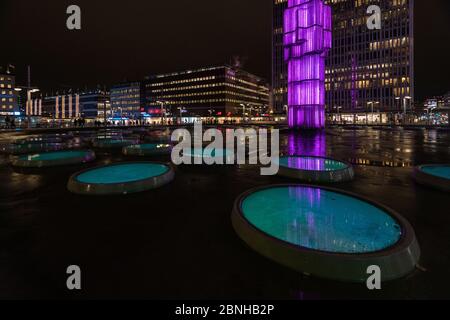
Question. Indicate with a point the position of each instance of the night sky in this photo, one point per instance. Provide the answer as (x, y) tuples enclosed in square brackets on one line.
[(126, 40)]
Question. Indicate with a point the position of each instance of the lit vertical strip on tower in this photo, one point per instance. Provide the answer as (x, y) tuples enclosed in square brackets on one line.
[(28, 104), (77, 106), (307, 40), (70, 107), (57, 108), (63, 107)]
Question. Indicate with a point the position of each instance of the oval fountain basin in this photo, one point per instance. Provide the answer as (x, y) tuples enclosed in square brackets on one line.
[(441, 171), (315, 169), (50, 159), (321, 220), (210, 154), (434, 175), (121, 178), (311, 228)]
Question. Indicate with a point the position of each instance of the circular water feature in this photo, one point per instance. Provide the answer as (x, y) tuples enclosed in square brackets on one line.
[(121, 178), (434, 175), (315, 169), (109, 143), (148, 149), (310, 228), (52, 159), (209, 155)]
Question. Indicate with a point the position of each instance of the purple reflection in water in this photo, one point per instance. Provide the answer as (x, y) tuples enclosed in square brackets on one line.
[(305, 220), (310, 164), (307, 144)]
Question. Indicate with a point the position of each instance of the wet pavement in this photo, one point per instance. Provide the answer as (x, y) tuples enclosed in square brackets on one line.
[(177, 242)]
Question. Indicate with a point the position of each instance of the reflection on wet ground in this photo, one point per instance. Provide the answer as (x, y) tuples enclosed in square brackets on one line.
[(178, 242)]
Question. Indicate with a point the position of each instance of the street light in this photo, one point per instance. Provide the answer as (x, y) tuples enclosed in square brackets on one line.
[(338, 108), (405, 111), (398, 109), (162, 110), (367, 112), (376, 102), (243, 108), (181, 114)]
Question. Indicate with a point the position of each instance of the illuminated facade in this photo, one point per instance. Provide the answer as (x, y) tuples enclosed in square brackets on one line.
[(307, 40), (208, 92), (127, 100), (88, 105), (8, 96), (366, 69)]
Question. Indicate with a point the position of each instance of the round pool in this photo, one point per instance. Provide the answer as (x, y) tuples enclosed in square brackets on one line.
[(209, 155), (434, 175), (113, 143), (121, 178), (52, 159), (148, 149), (315, 169), (310, 228)]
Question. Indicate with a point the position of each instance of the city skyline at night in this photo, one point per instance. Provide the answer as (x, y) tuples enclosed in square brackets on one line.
[(126, 45), (227, 159)]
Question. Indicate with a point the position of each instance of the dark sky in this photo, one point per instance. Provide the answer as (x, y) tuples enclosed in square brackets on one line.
[(130, 39)]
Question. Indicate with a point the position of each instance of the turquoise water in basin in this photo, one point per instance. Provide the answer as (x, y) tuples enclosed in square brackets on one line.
[(321, 220), (442, 171), (312, 163), (122, 173), (210, 153), (54, 156)]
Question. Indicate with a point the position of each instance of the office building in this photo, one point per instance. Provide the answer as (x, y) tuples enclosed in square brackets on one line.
[(127, 100), (86, 104), (220, 91), (8, 94)]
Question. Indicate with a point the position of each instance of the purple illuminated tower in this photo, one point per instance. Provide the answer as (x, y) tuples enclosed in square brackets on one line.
[(307, 40)]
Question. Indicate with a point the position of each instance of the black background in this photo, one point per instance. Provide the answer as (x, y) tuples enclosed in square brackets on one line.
[(126, 40)]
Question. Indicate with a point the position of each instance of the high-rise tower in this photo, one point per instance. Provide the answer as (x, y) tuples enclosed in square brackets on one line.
[(307, 41), (366, 69)]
